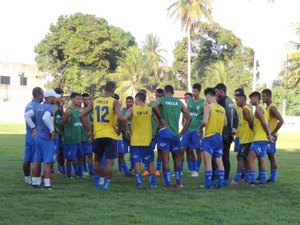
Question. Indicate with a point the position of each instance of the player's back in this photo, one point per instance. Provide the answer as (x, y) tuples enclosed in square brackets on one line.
[(246, 133), (42, 130), (259, 132), (104, 118), (215, 124), (272, 120), (170, 112), (196, 112), (31, 106)]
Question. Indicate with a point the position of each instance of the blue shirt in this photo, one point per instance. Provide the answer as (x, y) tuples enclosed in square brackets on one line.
[(43, 131), (31, 106)]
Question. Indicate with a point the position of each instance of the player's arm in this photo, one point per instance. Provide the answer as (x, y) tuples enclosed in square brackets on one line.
[(247, 117), (118, 112), (260, 115), (83, 118), (29, 121), (66, 117), (274, 112), (206, 115), (127, 115), (187, 118), (48, 121), (225, 121), (155, 110)]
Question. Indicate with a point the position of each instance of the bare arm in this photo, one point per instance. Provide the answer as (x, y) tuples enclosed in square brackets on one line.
[(187, 117), (155, 110), (118, 112), (205, 117), (64, 119), (247, 117), (260, 115), (274, 112)]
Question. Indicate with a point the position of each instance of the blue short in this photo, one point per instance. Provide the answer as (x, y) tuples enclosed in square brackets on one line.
[(236, 144), (167, 141), (126, 144), (73, 151), (260, 148), (29, 148), (44, 151), (272, 146), (56, 145), (87, 148), (142, 153), (121, 149), (191, 139), (213, 145), (243, 151)]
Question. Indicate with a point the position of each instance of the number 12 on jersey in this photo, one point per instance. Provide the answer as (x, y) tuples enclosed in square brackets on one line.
[(102, 114)]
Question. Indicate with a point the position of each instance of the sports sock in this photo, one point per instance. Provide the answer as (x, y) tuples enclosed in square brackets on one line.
[(91, 169), (158, 164), (246, 176), (198, 165), (96, 181), (193, 165), (69, 171), (119, 166), (220, 176), (258, 178), (131, 164), (167, 177), (238, 176), (181, 165), (152, 180), (273, 175), (106, 184), (178, 177), (138, 180), (47, 182), (52, 170), (253, 176), (124, 168), (84, 167), (75, 167), (208, 175), (146, 166), (79, 169), (263, 176), (190, 166), (35, 181)]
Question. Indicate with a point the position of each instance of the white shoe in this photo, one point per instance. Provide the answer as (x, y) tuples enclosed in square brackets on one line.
[(195, 174), (86, 174), (101, 181), (28, 180)]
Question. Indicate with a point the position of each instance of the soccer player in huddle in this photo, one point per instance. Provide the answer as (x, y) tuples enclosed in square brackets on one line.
[(140, 138), (238, 110), (168, 140), (105, 109), (191, 138), (44, 140), (38, 95), (87, 148), (71, 127), (262, 136), (245, 136), (275, 122), (214, 121)]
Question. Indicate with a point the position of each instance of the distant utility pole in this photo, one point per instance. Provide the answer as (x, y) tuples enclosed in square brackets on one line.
[(254, 72)]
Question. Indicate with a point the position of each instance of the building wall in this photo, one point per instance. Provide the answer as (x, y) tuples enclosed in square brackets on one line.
[(15, 92)]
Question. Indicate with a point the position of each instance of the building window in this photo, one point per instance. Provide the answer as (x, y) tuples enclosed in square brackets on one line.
[(4, 80), (23, 81)]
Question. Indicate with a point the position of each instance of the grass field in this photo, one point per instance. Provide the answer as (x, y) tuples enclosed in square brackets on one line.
[(77, 202)]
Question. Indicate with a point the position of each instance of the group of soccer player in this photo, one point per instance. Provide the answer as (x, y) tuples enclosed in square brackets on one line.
[(89, 135)]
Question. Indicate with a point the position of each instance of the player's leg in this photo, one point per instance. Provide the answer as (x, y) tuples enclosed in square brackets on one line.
[(190, 160), (177, 170), (28, 157), (165, 167), (197, 152), (158, 162), (218, 148), (98, 149), (226, 161), (148, 156), (48, 149), (182, 151), (250, 162), (37, 160), (262, 162), (79, 160), (208, 168), (137, 159), (60, 156), (271, 155), (240, 164)]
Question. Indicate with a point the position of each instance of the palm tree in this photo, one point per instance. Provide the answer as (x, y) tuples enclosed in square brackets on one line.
[(190, 13)]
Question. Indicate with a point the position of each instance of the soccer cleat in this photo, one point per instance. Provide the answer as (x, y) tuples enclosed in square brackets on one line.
[(157, 173), (195, 174), (269, 181), (35, 186), (146, 173), (48, 188)]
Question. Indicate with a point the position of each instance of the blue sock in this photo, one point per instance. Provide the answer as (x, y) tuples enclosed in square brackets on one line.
[(181, 165), (258, 178), (273, 175), (193, 165), (152, 180), (63, 170), (96, 182), (243, 171), (238, 176), (52, 171), (263, 176), (208, 175), (167, 177), (198, 165), (158, 165), (131, 164), (84, 167), (178, 177), (220, 176), (190, 165), (75, 167), (79, 166), (106, 184), (246, 176), (69, 171), (124, 167), (58, 168), (91, 169), (253, 176), (138, 180), (146, 166), (119, 166)]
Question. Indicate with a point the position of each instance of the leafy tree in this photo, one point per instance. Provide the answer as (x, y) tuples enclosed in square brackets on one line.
[(80, 50), (190, 13)]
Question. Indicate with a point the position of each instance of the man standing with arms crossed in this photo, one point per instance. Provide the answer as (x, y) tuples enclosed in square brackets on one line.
[(168, 137), (105, 109)]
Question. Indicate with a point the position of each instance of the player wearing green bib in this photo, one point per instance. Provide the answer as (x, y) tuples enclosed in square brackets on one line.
[(169, 108), (71, 127)]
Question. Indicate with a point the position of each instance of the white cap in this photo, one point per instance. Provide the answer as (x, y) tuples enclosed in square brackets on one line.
[(50, 92)]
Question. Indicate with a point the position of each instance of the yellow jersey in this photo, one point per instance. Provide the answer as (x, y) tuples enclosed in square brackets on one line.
[(216, 119), (272, 120), (141, 126), (246, 133), (259, 132), (104, 118), (239, 111)]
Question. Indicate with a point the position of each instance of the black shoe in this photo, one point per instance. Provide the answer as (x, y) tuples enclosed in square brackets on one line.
[(48, 188), (35, 186), (269, 181)]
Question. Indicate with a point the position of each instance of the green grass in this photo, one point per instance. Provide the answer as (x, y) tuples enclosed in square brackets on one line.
[(77, 202)]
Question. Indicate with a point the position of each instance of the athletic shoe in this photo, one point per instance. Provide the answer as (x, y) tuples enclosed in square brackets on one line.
[(86, 174), (35, 186), (153, 186), (252, 184), (146, 173), (195, 174), (101, 181), (179, 186), (270, 181), (157, 173), (28, 180), (69, 178), (48, 188)]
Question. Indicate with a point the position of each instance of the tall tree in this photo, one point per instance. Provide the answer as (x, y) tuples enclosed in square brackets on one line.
[(190, 13)]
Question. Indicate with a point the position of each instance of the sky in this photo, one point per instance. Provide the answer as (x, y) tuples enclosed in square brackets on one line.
[(265, 27)]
